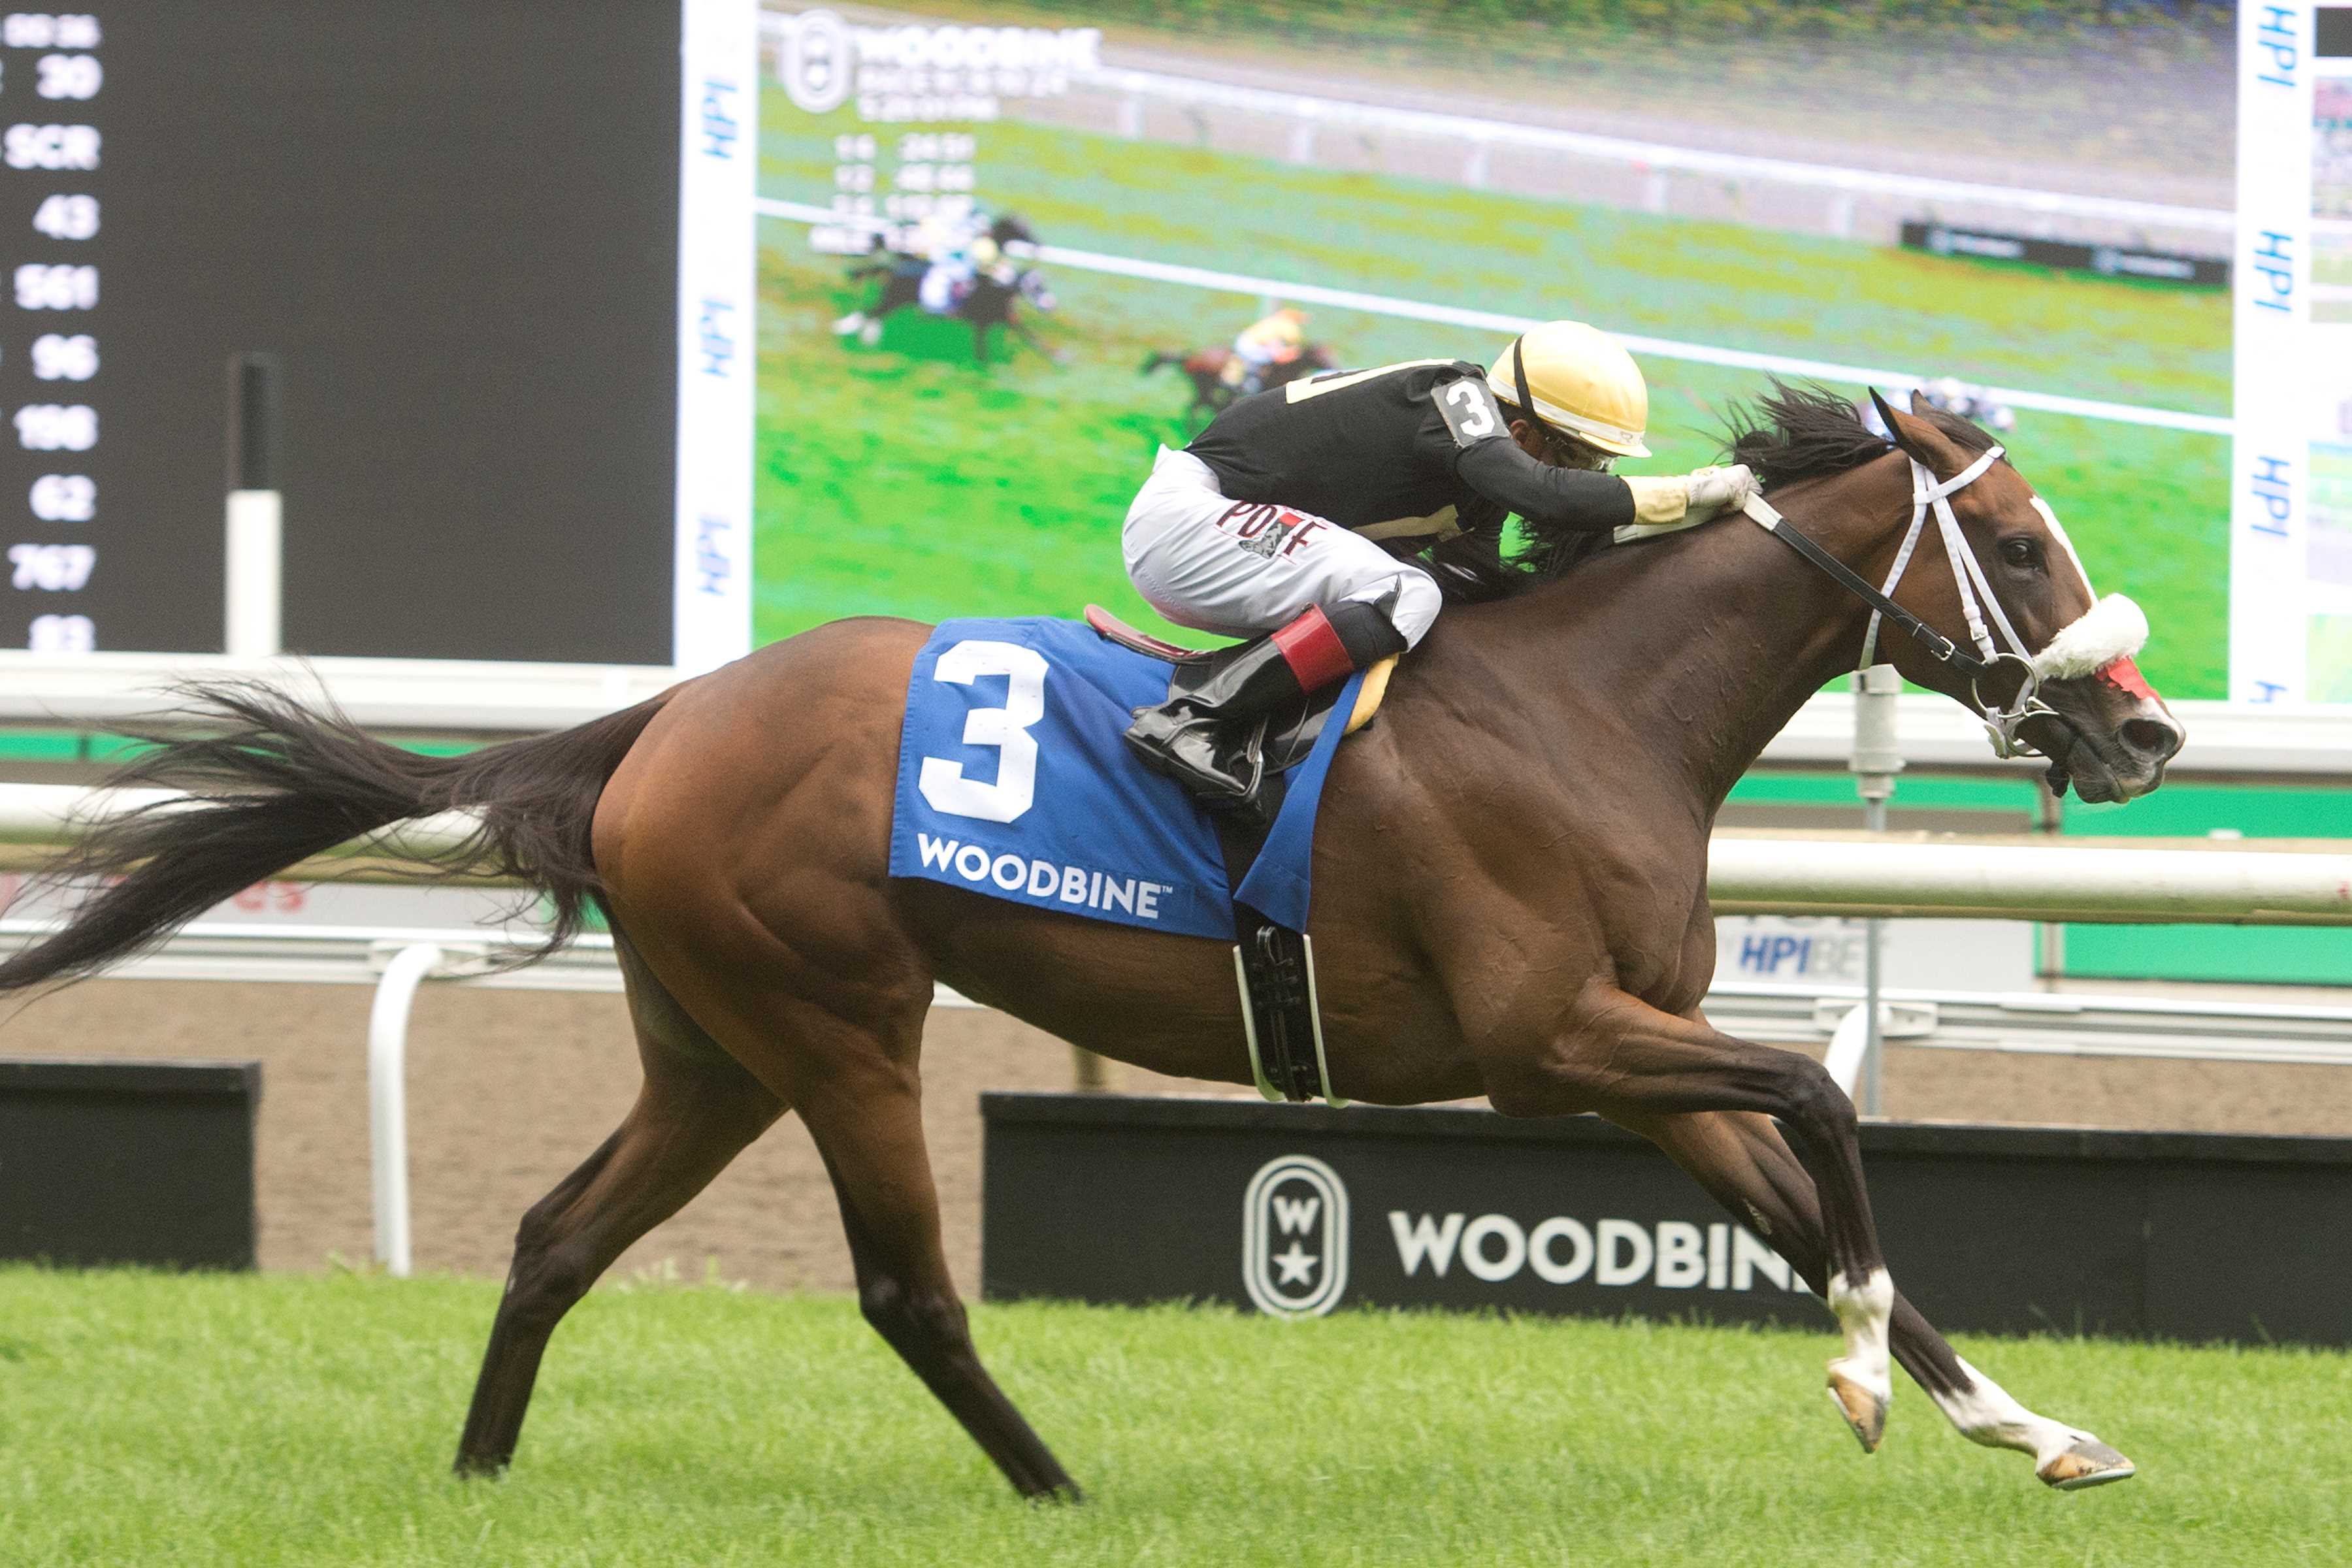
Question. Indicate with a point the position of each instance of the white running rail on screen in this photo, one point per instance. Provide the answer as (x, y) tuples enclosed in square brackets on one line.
[(1504, 324)]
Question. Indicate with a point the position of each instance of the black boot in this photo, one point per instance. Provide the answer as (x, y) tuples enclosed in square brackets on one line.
[(1209, 735)]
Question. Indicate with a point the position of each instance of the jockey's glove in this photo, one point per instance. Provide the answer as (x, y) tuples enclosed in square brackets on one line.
[(1692, 498)]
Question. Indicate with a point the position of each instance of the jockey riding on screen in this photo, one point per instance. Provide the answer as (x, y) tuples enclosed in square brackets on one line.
[(1276, 339), (1277, 524)]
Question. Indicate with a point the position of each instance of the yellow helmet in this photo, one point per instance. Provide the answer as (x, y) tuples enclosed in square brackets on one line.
[(1577, 379)]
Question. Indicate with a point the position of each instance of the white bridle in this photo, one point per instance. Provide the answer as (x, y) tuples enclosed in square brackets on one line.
[(2113, 628)]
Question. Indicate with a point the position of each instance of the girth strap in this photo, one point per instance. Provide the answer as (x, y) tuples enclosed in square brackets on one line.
[(1273, 966)]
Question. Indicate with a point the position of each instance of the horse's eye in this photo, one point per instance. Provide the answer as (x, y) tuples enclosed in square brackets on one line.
[(2023, 553)]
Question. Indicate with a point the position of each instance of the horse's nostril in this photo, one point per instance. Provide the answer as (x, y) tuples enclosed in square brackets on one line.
[(2152, 738)]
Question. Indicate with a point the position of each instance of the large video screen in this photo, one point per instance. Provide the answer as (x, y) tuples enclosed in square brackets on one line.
[(649, 332), (2052, 234)]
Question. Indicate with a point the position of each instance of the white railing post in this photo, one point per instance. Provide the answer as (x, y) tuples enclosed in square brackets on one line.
[(252, 614), (1877, 761), (388, 1100)]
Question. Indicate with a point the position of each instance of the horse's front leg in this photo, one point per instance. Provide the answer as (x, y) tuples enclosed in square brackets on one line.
[(1615, 1054), (1742, 1161)]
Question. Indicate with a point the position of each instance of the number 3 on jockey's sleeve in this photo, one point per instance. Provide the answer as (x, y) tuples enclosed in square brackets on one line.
[(1470, 410)]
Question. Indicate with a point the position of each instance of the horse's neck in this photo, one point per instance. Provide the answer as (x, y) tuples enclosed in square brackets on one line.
[(1702, 647)]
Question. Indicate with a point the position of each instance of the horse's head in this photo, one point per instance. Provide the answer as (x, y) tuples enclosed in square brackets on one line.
[(2063, 677), (1316, 357)]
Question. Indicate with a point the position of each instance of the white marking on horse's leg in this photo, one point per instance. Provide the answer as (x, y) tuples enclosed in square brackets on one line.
[(849, 323), (1860, 1381), (2066, 1457)]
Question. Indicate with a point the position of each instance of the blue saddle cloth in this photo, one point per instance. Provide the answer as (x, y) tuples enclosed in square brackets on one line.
[(1012, 781)]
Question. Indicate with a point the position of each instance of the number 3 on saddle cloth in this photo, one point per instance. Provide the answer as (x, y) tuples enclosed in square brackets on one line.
[(1013, 783)]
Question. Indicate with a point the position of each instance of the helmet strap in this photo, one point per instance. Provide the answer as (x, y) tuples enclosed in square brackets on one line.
[(1552, 434), (1519, 380)]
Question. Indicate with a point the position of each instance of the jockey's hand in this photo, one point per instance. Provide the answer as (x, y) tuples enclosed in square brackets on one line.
[(1678, 501), (1713, 492)]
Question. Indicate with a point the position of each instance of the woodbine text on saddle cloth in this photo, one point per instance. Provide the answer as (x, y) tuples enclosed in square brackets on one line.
[(1013, 783)]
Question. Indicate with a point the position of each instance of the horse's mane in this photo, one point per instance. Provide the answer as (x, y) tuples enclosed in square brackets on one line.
[(1807, 432), (1792, 432)]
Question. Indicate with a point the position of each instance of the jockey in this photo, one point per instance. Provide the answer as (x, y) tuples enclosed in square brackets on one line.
[(1276, 339), (1278, 523)]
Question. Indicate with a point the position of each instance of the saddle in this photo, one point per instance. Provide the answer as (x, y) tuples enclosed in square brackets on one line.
[(1273, 964)]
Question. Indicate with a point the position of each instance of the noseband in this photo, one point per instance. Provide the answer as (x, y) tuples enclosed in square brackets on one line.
[(1931, 497)]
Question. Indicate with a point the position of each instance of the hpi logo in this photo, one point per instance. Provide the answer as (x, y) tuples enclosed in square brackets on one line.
[(1295, 1237)]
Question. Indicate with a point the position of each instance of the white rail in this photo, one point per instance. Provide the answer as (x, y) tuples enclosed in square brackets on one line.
[(440, 695), (1973, 877)]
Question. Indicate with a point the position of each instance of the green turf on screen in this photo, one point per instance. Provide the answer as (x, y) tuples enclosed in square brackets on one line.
[(903, 480), (268, 1421)]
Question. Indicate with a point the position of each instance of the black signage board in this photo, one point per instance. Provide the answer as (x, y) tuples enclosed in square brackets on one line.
[(1299, 1209), (128, 1161), (456, 226), (2108, 260)]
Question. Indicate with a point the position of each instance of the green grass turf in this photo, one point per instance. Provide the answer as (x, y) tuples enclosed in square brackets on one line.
[(275, 1420), (902, 479)]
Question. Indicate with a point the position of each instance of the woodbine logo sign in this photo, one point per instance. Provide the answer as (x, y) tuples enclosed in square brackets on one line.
[(1295, 1238)]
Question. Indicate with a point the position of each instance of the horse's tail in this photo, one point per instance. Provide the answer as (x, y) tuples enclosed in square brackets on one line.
[(278, 782)]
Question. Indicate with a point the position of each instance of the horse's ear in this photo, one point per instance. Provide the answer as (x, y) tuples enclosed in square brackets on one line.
[(1910, 435)]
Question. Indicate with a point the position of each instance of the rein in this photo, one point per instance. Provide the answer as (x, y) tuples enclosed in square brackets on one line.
[(1931, 497)]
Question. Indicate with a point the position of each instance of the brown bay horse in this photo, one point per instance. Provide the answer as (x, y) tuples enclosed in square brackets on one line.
[(1510, 881)]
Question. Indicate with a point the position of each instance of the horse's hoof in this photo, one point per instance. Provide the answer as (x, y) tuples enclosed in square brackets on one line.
[(870, 334), (1863, 1408), (2088, 1463)]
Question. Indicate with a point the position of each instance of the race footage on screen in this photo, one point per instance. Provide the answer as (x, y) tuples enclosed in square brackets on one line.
[(1001, 260)]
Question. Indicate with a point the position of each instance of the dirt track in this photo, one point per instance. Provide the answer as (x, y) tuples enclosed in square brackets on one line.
[(509, 1090)]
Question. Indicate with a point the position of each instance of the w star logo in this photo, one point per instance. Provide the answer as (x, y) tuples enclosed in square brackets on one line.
[(1295, 1237)]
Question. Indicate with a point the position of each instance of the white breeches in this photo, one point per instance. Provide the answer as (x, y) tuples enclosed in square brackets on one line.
[(1241, 569), (937, 294)]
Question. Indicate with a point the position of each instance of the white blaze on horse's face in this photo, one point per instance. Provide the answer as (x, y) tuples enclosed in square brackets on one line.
[(2058, 532), (2113, 628)]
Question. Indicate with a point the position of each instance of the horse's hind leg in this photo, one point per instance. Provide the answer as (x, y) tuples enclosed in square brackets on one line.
[(867, 1119), (698, 1109), (1744, 1165)]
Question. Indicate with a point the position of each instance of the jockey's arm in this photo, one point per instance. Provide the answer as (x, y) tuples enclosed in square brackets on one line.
[(1574, 498)]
